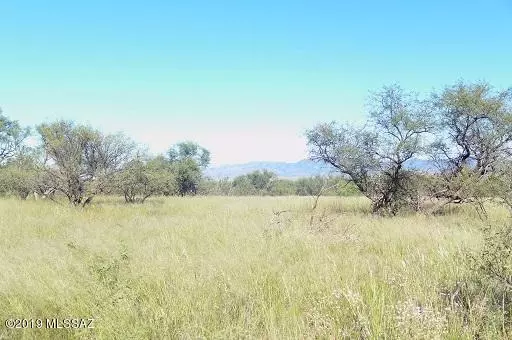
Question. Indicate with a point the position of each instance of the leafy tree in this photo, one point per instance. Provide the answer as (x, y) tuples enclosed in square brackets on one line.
[(187, 160), (166, 169), (255, 183), (188, 175), (374, 157), (283, 187), (78, 156), (20, 175), (310, 186), (242, 186), (475, 134), (12, 136), (141, 179), (262, 181), (189, 150)]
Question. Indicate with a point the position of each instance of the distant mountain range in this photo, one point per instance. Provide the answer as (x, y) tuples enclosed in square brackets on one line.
[(304, 168)]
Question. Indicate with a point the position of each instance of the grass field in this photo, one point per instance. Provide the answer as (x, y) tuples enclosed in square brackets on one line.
[(231, 267)]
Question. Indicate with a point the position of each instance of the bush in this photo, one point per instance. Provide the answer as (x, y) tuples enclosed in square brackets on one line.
[(140, 180), (484, 297), (19, 177), (494, 262)]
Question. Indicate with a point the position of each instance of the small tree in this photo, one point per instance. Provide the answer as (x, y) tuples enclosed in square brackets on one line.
[(20, 175), (140, 179), (187, 175), (242, 186), (255, 183), (187, 160), (310, 186), (262, 181)]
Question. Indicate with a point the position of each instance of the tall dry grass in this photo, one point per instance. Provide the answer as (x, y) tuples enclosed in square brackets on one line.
[(233, 267)]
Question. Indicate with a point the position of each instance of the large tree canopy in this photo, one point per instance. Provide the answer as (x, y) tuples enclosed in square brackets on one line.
[(374, 157)]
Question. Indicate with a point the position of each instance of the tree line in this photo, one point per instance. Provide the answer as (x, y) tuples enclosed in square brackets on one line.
[(79, 162), (464, 131), (267, 183)]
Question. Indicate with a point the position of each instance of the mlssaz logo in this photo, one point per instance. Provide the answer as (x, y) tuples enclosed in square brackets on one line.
[(69, 323)]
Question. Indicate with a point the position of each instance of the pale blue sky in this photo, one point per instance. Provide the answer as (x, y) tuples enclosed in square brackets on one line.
[(242, 78)]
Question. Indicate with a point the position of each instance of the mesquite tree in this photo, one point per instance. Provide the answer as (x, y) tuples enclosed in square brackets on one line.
[(374, 157), (78, 156), (475, 136)]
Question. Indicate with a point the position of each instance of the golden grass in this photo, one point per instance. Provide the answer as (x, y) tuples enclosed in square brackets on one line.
[(229, 267)]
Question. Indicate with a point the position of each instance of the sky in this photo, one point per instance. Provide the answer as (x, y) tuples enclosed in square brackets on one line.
[(244, 79)]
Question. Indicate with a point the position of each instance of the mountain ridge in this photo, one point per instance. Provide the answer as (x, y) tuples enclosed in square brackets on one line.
[(291, 170), (302, 168)]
